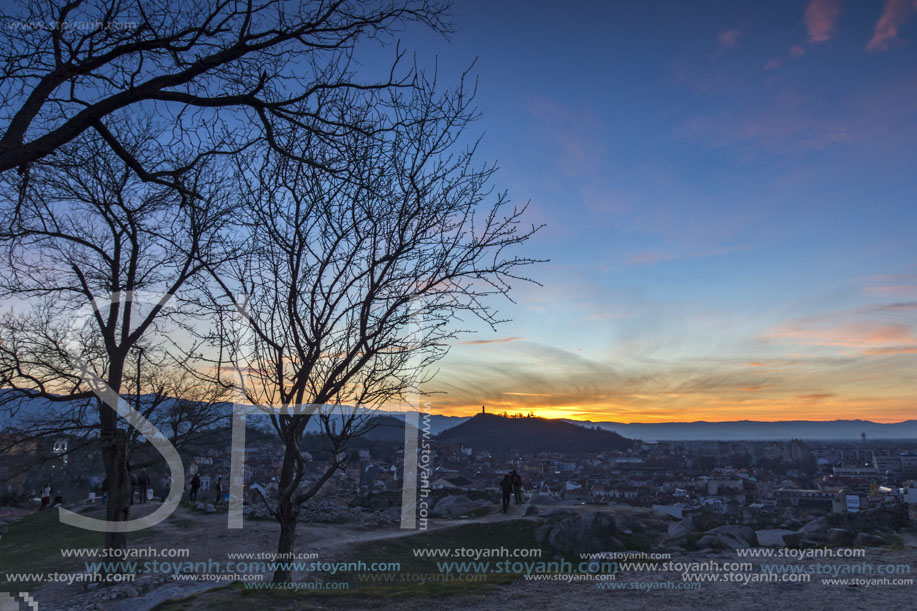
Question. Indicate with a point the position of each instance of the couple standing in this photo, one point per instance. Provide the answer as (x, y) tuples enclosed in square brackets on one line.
[(511, 485)]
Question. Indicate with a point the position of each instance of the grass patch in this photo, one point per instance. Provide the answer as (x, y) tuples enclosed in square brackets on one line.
[(405, 582), (33, 544)]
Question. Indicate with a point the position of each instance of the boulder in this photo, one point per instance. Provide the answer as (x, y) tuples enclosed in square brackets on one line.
[(209, 508), (572, 533), (531, 510), (870, 540), (721, 541), (681, 529), (793, 539), (743, 533), (839, 536), (455, 506), (773, 537), (815, 529)]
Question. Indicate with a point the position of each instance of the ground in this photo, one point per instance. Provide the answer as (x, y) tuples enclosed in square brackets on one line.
[(32, 545)]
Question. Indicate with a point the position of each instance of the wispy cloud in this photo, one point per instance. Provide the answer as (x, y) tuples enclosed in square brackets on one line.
[(894, 15), (870, 338), (821, 16), (573, 132), (501, 340), (728, 38), (656, 257)]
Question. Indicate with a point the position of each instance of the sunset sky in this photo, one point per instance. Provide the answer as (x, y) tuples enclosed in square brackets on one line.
[(729, 190)]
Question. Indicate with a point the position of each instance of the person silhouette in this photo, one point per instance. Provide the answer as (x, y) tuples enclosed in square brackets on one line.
[(506, 486)]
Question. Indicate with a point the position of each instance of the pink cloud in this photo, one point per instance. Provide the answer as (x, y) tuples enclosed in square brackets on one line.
[(821, 17), (729, 38), (797, 50), (869, 338), (895, 14), (895, 290), (772, 65)]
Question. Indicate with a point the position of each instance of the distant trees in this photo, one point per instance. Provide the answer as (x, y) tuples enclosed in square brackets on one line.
[(98, 259)]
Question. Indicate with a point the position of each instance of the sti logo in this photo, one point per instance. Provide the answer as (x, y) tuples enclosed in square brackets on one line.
[(17, 602)]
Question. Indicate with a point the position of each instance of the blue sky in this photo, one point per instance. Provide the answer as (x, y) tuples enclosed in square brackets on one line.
[(723, 184)]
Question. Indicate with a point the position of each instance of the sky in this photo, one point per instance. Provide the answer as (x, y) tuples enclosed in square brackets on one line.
[(728, 191)]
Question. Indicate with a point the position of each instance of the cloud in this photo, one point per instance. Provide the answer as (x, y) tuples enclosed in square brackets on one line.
[(728, 39), (502, 340), (870, 338), (816, 396), (820, 19), (786, 125), (893, 17), (888, 350), (757, 388), (573, 133), (899, 290)]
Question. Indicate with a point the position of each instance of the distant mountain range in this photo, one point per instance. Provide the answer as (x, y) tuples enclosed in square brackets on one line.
[(531, 435), (390, 426), (749, 430)]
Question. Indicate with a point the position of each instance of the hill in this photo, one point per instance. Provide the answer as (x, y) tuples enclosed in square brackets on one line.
[(498, 434)]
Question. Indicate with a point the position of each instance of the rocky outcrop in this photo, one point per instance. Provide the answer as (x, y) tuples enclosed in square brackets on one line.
[(839, 536), (572, 533), (774, 537), (870, 540), (742, 533), (458, 505), (815, 529), (681, 529)]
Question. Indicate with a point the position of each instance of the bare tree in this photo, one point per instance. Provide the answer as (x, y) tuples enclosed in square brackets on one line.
[(84, 241), (351, 285), (38, 349), (217, 75)]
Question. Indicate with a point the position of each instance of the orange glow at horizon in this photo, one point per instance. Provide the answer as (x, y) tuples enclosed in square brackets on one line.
[(795, 408)]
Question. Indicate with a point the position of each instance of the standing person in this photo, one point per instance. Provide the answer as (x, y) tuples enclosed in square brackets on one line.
[(165, 482), (45, 496), (219, 488), (143, 482), (517, 487), (105, 487), (506, 486), (195, 486)]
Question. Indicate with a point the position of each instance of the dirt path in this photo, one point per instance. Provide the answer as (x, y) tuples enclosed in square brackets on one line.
[(207, 538)]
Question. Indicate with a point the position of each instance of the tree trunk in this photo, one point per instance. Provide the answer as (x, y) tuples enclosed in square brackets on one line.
[(288, 518), (114, 457), (287, 515)]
